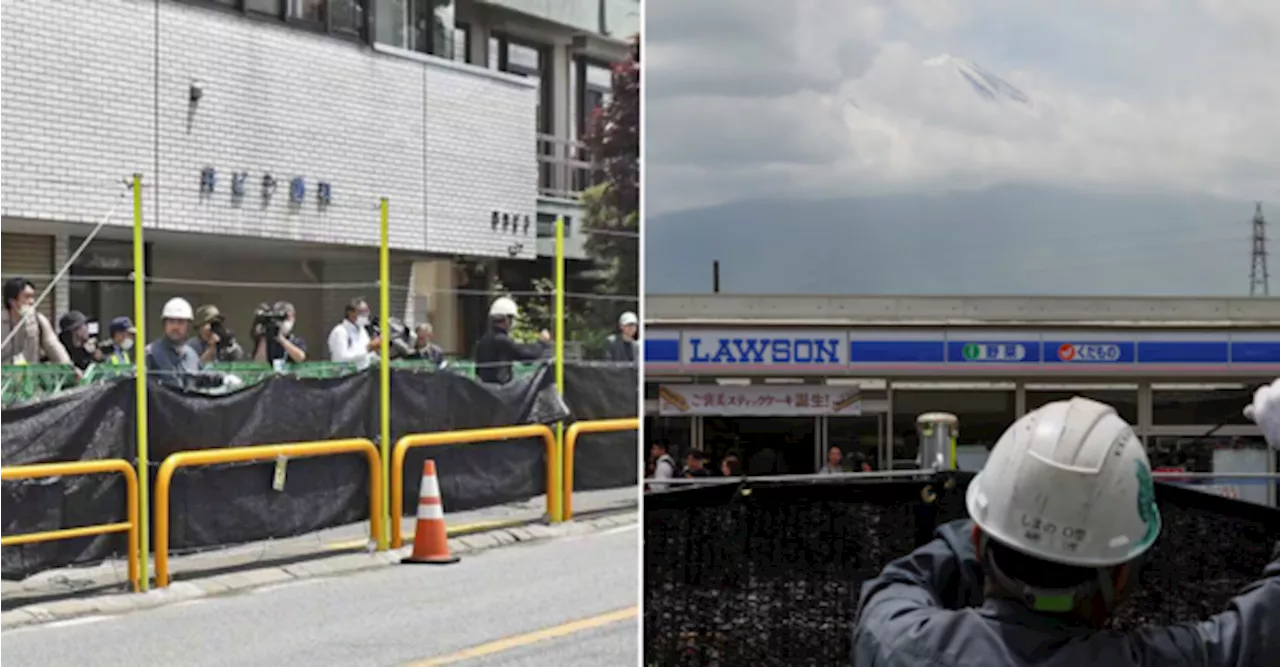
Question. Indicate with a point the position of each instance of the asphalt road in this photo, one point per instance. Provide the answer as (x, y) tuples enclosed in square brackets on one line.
[(567, 602)]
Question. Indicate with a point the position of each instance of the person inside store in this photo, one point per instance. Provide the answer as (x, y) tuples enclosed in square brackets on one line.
[(695, 464), (274, 339), (622, 346), (731, 466), (122, 334), (170, 358), (662, 466), (835, 461), (1047, 569), (349, 341), (214, 342), (28, 335), (424, 347), (496, 350), (73, 333)]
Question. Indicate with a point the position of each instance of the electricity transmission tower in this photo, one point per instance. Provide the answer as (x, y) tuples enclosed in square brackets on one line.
[(1258, 277)]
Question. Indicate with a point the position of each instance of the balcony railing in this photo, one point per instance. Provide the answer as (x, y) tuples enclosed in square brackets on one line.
[(564, 169)]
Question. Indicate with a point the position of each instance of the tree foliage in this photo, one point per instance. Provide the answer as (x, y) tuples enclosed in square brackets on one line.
[(612, 208)]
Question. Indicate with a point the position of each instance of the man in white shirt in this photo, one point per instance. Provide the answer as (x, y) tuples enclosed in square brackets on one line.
[(350, 341), (664, 467)]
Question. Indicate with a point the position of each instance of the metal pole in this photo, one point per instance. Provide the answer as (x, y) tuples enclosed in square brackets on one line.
[(557, 511), (140, 387), (389, 514)]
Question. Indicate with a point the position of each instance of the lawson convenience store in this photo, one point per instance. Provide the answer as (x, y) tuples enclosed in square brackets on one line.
[(778, 388)]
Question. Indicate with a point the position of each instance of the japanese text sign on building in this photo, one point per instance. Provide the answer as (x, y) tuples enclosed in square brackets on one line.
[(759, 401)]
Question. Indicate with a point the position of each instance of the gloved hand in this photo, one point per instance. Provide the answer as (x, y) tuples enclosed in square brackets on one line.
[(1265, 412)]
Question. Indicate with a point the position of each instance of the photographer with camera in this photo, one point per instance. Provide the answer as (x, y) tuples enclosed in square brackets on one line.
[(274, 340), (214, 341), (74, 335), (350, 341)]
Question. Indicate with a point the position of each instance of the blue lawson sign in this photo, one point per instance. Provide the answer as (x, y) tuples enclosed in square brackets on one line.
[(956, 349), (765, 348)]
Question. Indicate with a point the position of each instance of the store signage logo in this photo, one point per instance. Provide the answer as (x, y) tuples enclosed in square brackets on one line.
[(765, 351), (1090, 352), (994, 352)]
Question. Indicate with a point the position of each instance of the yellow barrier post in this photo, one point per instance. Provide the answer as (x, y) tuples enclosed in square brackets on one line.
[(384, 358), (204, 457), (76, 468), (140, 378), (464, 437), (557, 510), (571, 443)]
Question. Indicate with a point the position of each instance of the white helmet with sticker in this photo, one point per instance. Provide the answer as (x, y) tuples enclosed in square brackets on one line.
[(1068, 483)]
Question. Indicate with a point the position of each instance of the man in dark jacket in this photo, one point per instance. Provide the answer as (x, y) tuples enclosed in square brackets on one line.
[(496, 350), (1062, 515), (622, 345)]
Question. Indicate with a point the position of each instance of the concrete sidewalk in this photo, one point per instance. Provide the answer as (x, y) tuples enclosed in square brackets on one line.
[(347, 547)]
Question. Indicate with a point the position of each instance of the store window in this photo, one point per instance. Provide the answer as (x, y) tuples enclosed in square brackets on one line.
[(856, 435), (1207, 405), (765, 445), (1124, 398), (675, 432), (984, 411)]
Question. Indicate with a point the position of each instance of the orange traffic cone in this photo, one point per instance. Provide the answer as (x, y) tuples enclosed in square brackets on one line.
[(430, 538)]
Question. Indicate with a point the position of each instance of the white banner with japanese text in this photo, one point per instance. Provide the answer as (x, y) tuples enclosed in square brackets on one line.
[(758, 401)]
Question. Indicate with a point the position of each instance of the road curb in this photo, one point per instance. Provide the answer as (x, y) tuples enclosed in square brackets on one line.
[(322, 566)]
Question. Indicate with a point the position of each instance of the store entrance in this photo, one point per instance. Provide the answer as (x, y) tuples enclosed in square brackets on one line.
[(766, 445)]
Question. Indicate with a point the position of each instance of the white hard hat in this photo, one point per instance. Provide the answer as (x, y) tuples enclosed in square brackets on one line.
[(177, 308), (503, 307), (628, 318), (1068, 483)]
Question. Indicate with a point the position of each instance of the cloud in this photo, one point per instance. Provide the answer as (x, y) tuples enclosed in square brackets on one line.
[(830, 98)]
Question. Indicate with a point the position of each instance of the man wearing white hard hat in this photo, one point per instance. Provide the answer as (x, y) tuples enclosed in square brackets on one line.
[(1062, 516), (169, 358), (496, 349), (622, 345)]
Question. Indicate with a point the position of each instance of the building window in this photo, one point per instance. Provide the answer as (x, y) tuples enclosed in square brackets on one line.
[(547, 226), (530, 61), (425, 26), (345, 17), (308, 10), (462, 43), (268, 7), (592, 88)]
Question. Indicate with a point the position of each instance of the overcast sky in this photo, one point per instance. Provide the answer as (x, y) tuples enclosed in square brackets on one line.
[(832, 98)]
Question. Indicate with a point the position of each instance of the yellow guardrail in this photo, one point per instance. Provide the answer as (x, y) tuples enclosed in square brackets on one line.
[(464, 437), (77, 468), (205, 457), (571, 442)]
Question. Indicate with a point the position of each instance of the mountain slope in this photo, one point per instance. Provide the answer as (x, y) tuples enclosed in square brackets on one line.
[(1006, 240), (982, 82)]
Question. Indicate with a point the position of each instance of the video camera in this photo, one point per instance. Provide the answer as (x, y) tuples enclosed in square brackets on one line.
[(399, 342), (267, 320)]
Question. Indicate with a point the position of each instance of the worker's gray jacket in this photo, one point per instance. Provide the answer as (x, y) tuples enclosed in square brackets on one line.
[(927, 609)]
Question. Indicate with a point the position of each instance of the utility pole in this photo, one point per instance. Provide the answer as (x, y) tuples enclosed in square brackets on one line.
[(1259, 279)]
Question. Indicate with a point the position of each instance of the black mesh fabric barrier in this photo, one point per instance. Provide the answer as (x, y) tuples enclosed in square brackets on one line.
[(768, 574), (604, 391), (232, 504)]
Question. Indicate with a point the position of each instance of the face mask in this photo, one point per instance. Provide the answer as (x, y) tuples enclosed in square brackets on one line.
[(126, 344), (26, 309), (286, 326), (362, 321)]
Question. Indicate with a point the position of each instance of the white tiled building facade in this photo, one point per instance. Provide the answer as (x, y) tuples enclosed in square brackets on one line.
[(209, 103)]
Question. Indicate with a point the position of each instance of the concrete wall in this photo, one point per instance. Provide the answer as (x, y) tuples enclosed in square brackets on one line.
[(447, 143)]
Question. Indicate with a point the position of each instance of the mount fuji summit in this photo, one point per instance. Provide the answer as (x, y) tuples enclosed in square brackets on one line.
[(982, 82)]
